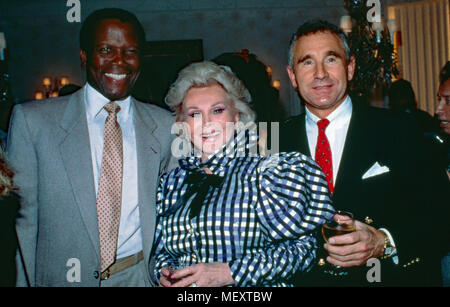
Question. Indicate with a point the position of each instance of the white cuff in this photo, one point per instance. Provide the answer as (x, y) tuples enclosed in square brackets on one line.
[(394, 255)]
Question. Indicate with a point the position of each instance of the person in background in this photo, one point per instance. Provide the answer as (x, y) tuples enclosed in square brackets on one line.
[(443, 114), (375, 165), (265, 98), (9, 204), (252, 72), (228, 216), (402, 100), (88, 162)]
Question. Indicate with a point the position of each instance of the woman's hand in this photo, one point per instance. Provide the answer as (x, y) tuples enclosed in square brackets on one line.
[(214, 274), (165, 280)]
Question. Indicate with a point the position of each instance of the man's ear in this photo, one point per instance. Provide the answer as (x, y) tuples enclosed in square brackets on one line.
[(351, 68), (291, 75), (83, 58)]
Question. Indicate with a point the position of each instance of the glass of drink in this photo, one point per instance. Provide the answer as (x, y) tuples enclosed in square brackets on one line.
[(342, 223)]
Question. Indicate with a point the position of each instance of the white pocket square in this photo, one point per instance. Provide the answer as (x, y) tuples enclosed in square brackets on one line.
[(375, 170)]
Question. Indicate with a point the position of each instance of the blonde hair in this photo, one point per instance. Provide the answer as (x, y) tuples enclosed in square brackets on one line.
[(207, 73), (6, 176)]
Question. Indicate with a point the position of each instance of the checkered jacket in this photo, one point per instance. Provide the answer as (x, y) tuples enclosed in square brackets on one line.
[(260, 220)]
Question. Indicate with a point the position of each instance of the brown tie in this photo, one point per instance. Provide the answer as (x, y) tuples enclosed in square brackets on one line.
[(109, 197)]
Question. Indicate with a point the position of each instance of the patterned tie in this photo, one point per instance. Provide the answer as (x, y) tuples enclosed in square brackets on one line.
[(323, 153), (109, 198)]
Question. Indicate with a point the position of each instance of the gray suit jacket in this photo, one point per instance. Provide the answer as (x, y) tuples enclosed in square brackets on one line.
[(49, 150)]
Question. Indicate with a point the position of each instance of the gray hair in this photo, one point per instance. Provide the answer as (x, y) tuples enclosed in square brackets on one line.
[(311, 27), (207, 73)]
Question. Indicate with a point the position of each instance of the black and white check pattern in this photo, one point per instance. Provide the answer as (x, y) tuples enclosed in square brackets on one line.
[(260, 221)]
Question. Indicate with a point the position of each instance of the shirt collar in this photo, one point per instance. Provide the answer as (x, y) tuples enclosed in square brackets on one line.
[(95, 102), (244, 144), (344, 112)]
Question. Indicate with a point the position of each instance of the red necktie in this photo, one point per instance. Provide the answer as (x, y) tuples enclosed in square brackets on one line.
[(323, 153)]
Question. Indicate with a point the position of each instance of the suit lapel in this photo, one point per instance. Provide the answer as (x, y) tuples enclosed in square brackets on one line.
[(76, 155), (356, 159), (302, 138), (148, 159)]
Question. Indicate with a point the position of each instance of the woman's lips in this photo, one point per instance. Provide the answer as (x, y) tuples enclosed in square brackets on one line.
[(211, 135)]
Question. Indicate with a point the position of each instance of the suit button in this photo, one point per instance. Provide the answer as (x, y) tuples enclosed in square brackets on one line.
[(96, 274)]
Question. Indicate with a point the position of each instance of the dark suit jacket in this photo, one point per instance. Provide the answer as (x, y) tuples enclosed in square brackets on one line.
[(403, 200)]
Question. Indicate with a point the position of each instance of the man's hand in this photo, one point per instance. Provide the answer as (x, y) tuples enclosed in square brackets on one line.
[(214, 274), (354, 249)]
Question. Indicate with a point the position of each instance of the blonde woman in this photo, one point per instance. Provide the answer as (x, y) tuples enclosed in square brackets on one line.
[(228, 216)]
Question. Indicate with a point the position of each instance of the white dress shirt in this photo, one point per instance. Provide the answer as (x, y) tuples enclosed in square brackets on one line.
[(336, 132), (130, 237)]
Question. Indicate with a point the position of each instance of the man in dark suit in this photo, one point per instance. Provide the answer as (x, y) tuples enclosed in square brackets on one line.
[(442, 147), (89, 159), (443, 114), (374, 164)]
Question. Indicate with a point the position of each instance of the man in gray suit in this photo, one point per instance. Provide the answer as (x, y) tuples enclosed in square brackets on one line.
[(56, 146)]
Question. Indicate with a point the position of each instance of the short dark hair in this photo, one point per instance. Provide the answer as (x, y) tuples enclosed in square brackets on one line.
[(314, 26), (444, 74), (87, 31), (401, 96)]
